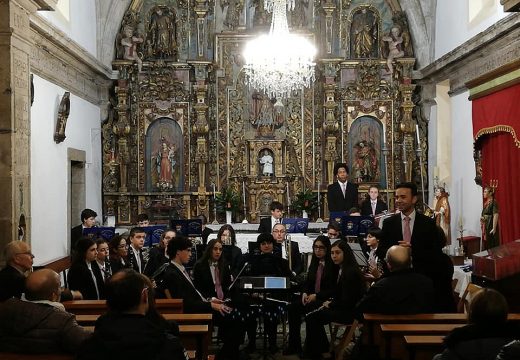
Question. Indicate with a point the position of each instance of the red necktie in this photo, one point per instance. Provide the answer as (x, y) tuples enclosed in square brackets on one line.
[(407, 234), (218, 285), (319, 274)]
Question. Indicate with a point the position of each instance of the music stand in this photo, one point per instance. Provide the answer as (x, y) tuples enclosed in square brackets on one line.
[(105, 232), (360, 257), (153, 234), (253, 248), (356, 225), (336, 216), (296, 225), (188, 227)]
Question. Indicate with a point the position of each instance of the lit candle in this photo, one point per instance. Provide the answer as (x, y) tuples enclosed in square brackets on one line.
[(244, 192), (417, 133)]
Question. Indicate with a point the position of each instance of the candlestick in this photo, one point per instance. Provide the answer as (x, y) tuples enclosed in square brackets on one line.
[(417, 133), (318, 193), (404, 150), (213, 190), (288, 196), (244, 191)]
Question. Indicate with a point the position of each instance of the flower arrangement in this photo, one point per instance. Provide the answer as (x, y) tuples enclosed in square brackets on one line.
[(306, 200), (227, 200)]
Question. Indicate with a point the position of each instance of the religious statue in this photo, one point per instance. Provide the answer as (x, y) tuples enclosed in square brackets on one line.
[(129, 43), (364, 34), (266, 161), (442, 212), (267, 114), (161, 40), (489, 219), (165, 165), (63, 115), (395, 49), (365, 165), (233, 10)]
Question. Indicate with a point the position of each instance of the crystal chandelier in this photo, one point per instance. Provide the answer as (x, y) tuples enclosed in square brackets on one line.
[(279, 62)]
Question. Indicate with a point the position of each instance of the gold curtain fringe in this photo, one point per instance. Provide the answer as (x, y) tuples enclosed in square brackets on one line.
[(496, 129)]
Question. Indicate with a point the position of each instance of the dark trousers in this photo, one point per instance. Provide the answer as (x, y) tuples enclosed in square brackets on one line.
[(316, 341)]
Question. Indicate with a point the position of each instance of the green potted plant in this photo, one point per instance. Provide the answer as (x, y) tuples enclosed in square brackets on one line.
[(227, 201), (306, 201)]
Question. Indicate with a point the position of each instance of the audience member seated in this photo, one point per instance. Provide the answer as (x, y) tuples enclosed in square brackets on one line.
[(118, 249), (401, 290), (19, 261), (132, 328), (319, 287), (180, 285), (231, 251), (349, 290), (84, 273), (88, 220), (157, 256), (40, 324), (485, 334)]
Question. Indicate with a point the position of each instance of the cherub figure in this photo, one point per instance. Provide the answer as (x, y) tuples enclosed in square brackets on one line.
[(394, 40), (129, 42)]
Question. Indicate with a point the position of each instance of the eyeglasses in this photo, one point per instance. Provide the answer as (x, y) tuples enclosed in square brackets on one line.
[(279, 231), (26, 253), (318, 247)]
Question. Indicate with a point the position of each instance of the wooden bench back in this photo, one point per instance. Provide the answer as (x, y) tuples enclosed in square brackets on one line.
[(98, 307)]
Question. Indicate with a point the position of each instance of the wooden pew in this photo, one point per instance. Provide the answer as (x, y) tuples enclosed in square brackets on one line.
[(98, 307), (184, 319), (422, 347), (393, 345)]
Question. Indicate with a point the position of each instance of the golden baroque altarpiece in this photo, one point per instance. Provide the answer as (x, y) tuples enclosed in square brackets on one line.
[(184, 123)]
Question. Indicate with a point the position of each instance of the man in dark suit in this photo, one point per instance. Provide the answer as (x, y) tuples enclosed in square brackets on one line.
[(342, 195), (266, 224), (373, 206), (135, 249), (418, 232), (279, 233), (180, 285), (88, 220), (401, 291), (12, 278)]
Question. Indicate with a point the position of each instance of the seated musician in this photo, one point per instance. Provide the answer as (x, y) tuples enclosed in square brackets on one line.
[(118, 253), (279, 249), (84, 274), (157, 255), (267, 264), (211, 274), (340, 308), (318, 288), (375, 266), (177, 280), (231, 252)]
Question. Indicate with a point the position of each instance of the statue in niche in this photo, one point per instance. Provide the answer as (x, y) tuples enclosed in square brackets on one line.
[(129, 43), (364, 34), (401, 21), (161, 40), (266, 162), (298, 18), (233, 10), (365, 165), (267, 114), (260, 16), (165, 162), (394, 42)]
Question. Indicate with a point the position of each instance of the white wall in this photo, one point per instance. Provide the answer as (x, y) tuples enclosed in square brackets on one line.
[(80, 24), (49, 178), (454, 25), (466, 196)]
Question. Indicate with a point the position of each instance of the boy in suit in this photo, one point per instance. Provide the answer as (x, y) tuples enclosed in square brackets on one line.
[(373, 205), (266, 224), (342, 195)]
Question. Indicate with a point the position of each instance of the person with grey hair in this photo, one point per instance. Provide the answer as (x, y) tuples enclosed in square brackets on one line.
[(40, 324), (401, 290), (19, 261)]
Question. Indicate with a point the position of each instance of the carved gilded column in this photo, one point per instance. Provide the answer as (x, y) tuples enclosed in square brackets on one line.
[(15, 49), (407, 125), (330, 123), (200, 129)]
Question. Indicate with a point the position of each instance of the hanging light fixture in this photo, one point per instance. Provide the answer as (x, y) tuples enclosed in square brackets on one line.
[(279, 62)]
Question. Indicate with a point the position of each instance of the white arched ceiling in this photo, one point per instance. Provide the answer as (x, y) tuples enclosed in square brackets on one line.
[(109, 16)]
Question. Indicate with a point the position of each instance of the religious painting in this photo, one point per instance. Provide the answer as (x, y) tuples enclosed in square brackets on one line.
[(365, 143), (364, 34), (164, 156)]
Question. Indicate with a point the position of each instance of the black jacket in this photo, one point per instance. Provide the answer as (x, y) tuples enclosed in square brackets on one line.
[(12, 283), (366, 207), (328, 280), (80, 278), (338, 202), (204, 281), (296, 257)]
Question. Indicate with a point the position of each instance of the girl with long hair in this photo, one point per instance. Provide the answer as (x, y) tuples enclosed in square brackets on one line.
[(84, 274)]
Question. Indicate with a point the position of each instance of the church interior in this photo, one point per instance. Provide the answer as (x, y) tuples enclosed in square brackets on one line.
[(131, 107)]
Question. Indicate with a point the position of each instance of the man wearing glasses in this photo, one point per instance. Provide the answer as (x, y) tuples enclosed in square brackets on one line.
[(279, 233), (19, 261)]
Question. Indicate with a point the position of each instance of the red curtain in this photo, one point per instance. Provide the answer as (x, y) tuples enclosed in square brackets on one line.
[(496, 130)]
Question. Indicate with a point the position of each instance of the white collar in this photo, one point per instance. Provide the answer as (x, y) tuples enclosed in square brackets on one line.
[(411, 216)]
